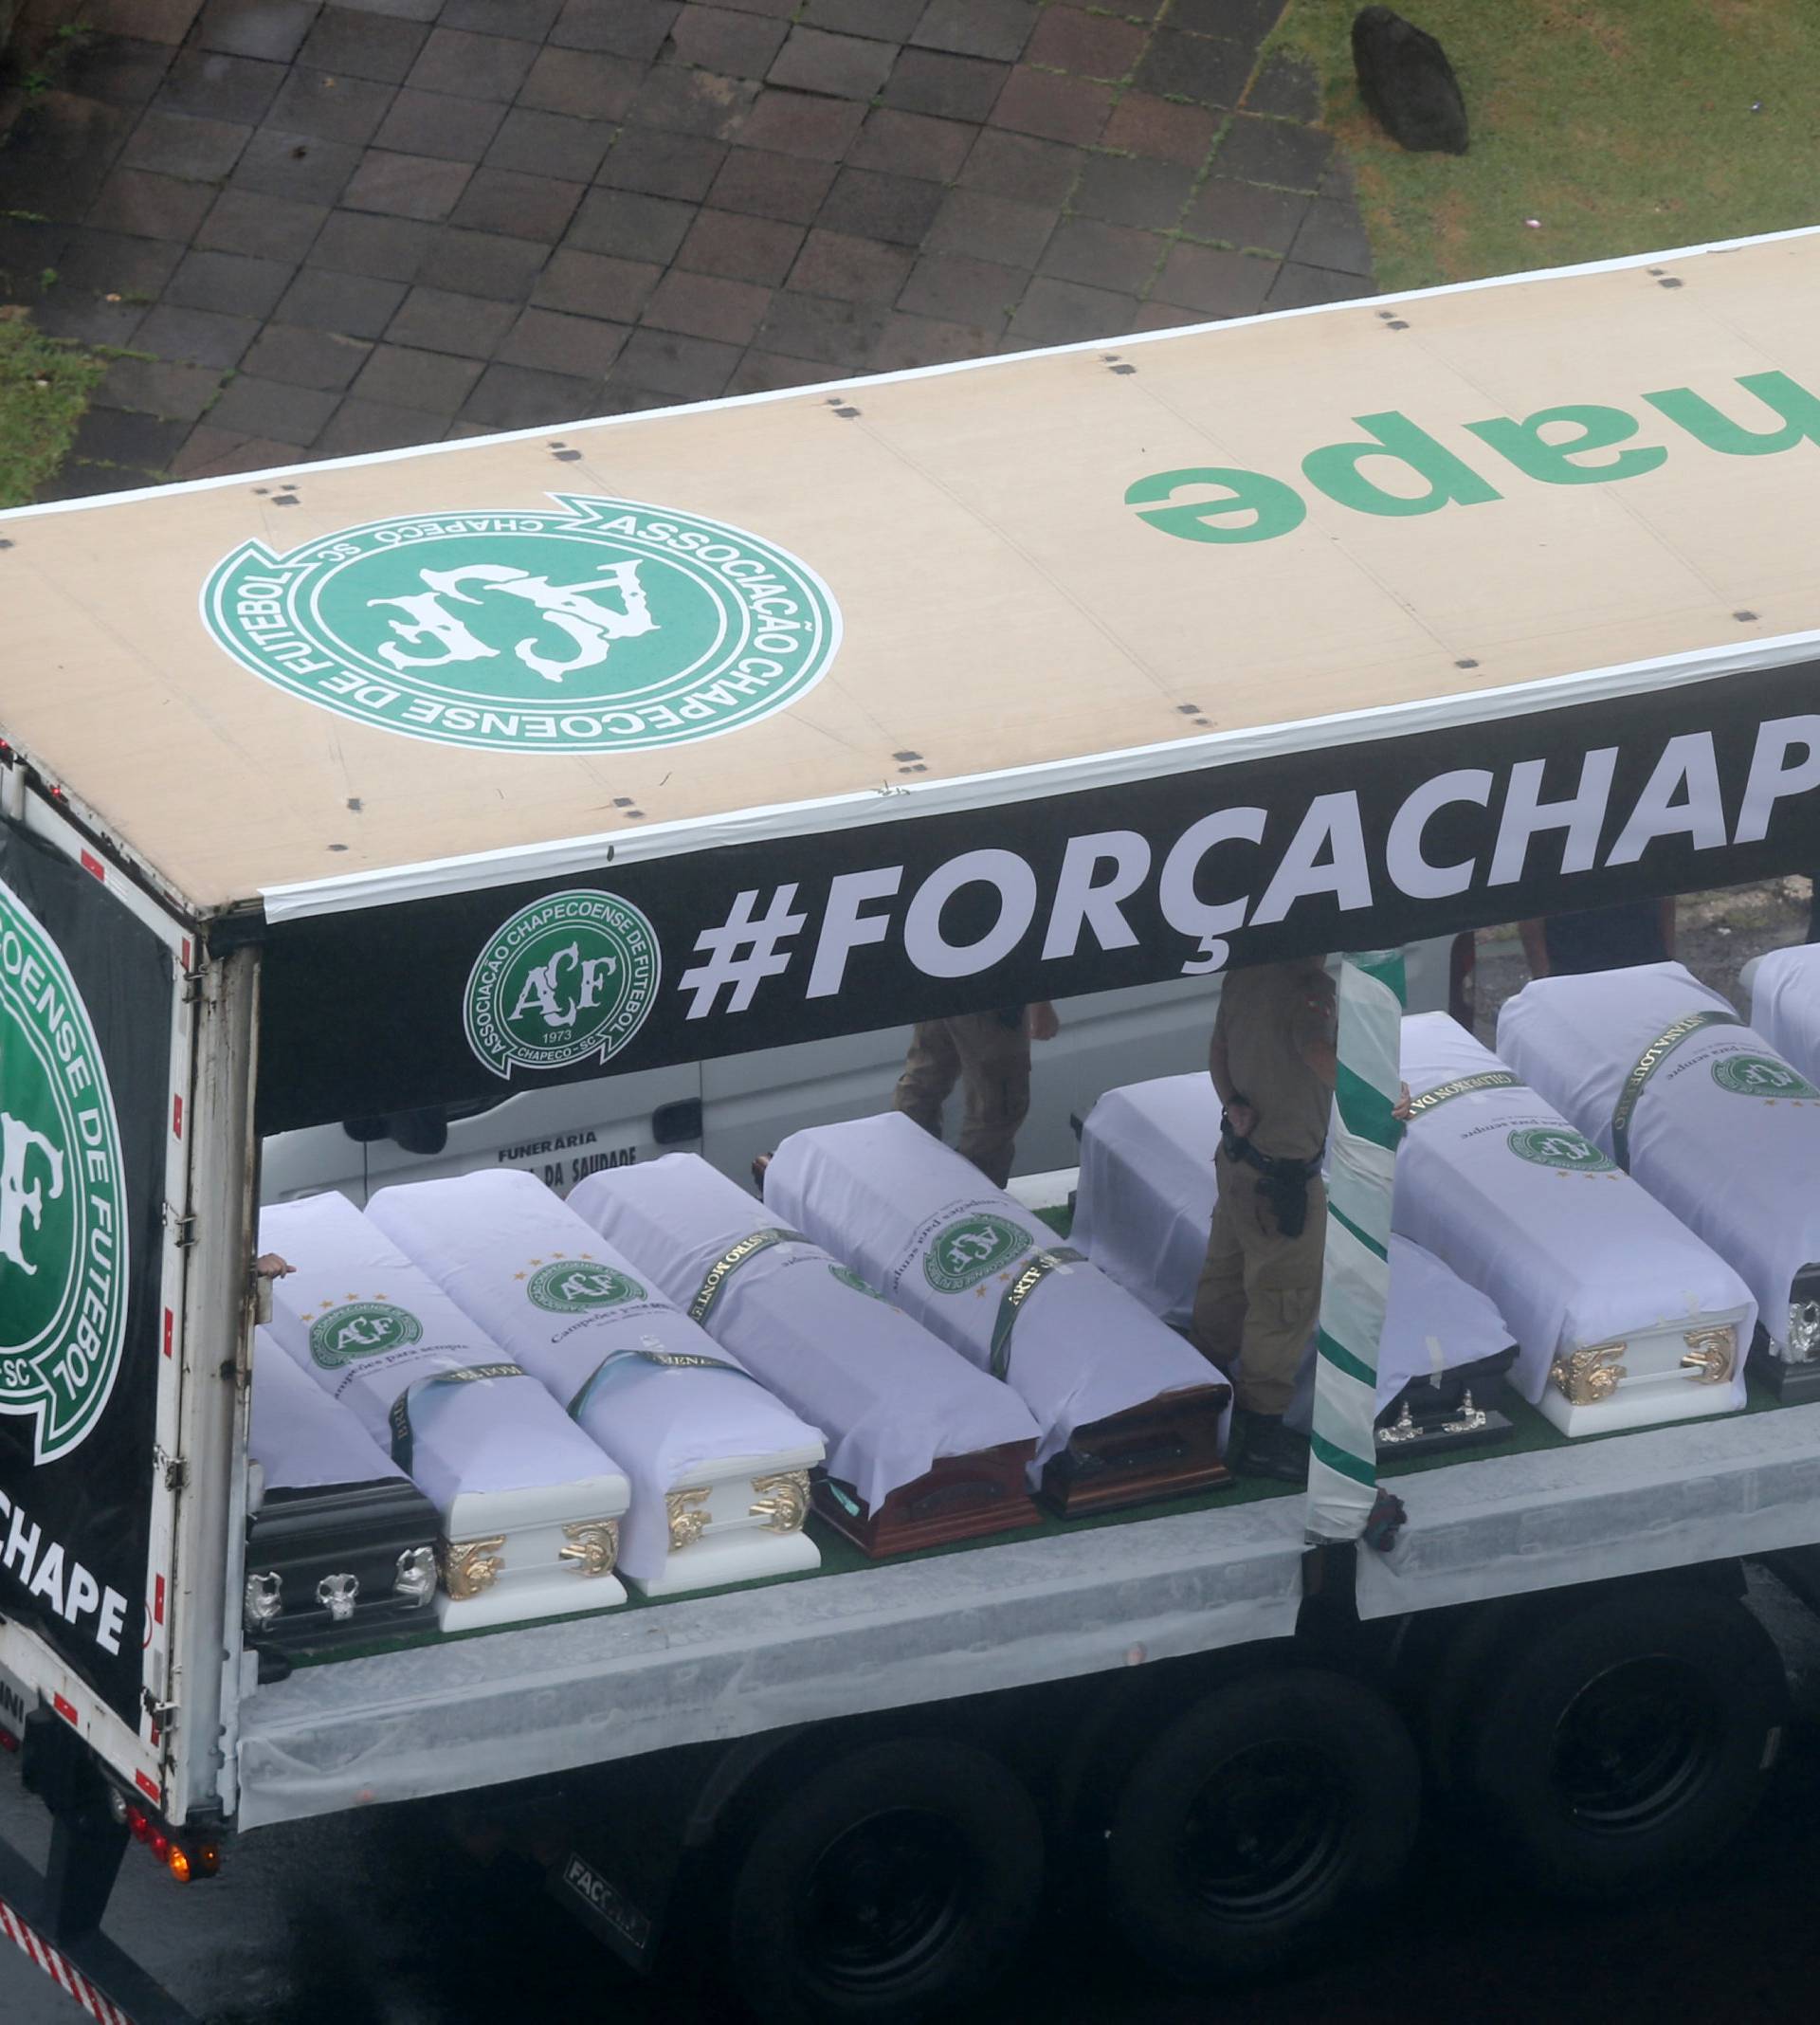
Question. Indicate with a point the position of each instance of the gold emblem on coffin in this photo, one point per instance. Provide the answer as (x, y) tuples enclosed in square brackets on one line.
[(594, 1545), (1711, 1354), (470, 1566), (689, 1516), (781, 1502), (1589, 1376)]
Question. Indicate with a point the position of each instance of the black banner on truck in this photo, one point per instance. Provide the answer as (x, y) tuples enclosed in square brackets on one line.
[(1349, 845), (86, 994)]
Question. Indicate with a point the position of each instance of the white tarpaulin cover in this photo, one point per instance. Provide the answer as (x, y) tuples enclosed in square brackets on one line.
[(890, 1396), (1501, 1187), (578, 1315), (924, 1227), (367, 1324), (300, 1438), (1785, 1005), (1720, 1130)]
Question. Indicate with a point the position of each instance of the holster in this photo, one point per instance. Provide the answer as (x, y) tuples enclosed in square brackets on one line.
[(1284, 1184)]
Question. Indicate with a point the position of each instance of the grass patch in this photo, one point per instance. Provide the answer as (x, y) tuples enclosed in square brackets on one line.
[(45, 387), (1622, 127)]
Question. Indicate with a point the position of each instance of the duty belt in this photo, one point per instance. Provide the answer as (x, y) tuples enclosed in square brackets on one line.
[(1284, 1183)]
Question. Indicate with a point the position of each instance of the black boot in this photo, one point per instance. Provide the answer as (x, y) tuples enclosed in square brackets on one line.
[(1262, 1447)]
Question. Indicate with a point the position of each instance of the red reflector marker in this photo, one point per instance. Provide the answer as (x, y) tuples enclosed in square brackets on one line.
[(150, 1787), (93, 866), (68, 1710)]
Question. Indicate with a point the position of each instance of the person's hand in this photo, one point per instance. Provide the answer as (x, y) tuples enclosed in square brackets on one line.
[(268, 1266), (1242, 1117), (1040, 1022), (1400, 1109)]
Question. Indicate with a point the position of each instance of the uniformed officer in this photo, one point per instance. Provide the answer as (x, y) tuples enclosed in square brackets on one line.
[(988, 1054), (1273, 1062)]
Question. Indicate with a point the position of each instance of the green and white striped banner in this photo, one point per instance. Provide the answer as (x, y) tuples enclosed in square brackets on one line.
[(1342, 1471)]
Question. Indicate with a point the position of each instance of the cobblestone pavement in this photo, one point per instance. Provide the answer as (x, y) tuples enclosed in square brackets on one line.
[(319, 229)]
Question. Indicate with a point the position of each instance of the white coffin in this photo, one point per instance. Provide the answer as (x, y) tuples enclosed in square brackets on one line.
[(1785, 1005), (1723, 1130), (1624, 1316), (920, 1223), (700, 1438), (890, 1396), (529, 1504)]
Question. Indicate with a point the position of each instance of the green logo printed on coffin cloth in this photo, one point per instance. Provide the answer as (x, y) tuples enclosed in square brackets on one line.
[(1751, 1075), (63, 1263), (847, 1277), (1560, 1147), (1648, 1062), (602, 627), (971, 1250), (715, 1276), (403, 1436), (1058, 1259), (359, 1329), (567, 979), (576, 1286)]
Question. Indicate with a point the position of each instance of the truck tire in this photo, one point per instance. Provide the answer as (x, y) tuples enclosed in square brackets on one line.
[(1627, 1740), (1260, 1816), (890, 1884)]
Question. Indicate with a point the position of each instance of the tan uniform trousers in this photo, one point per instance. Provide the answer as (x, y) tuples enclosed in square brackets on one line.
[(1259, 1293), (993, 1063)]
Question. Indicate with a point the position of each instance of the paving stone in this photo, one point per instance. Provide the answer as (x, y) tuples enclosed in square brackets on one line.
[(993, 227), (952, 87), (631, 225), (472, 66), (885, 19), (850, 270), (1340, 181), (913, 145), (621, 28), (1245, 214), (955, 288), (438, 322), (153, 207), (529, 207), (296, 165), (118, 70), (1020, 166), (1273, 151), (359, 427), (584, 86), (111, 435), (518, 397), (1141, 124), (1071, 109), (663, 165), (358, 242), (358, 306), (1209, 71), (331, 107), (59, 153), (1247, 21), (483, 263), (406, 186), (78, 481), (408, 378), (1157, 316), (206, 85), (202, 150), (805, 326), (688, 369), (894, 207), (462, 431), (1056, 312), (1125, 190), (352, 44), (533, 18), (1301, 287), (595, 284), (1215, 281), (1085, 45), (87, 318), (977, 28), (430, 123), (155, 388), (734, 45), (692, 101), (770, 373), (273, 29), (549, 341), (114, 263), (909, 342), (398, 10), (1104, 256), (160, 21), (792, 122), (707, 306), (792, 188), (1332, 236), (620, 397), (327, 360), (534, 143), (210, 452), (743, 250), (1287, 87), (842, 67), (776, 9), (245, 221)]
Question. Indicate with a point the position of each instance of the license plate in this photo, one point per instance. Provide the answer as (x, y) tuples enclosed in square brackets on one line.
[(601, 1904)]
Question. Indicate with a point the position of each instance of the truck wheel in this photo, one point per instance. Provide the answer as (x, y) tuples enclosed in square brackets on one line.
[(892, 1883), (1259, 1816), (1628, 1740)]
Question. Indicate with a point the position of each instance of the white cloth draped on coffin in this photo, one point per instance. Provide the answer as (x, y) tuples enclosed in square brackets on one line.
[(1722, 1131), (1572, 1252), (928, 1230), (890, 1398), (576, 1314), (367, 1326), (1785, 1005), (300, 1438)]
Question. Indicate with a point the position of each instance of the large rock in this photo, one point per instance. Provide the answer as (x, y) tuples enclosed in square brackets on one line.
[(1407, 83)]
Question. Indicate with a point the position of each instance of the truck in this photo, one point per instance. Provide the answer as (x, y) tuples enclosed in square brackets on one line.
[(384, 789)]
